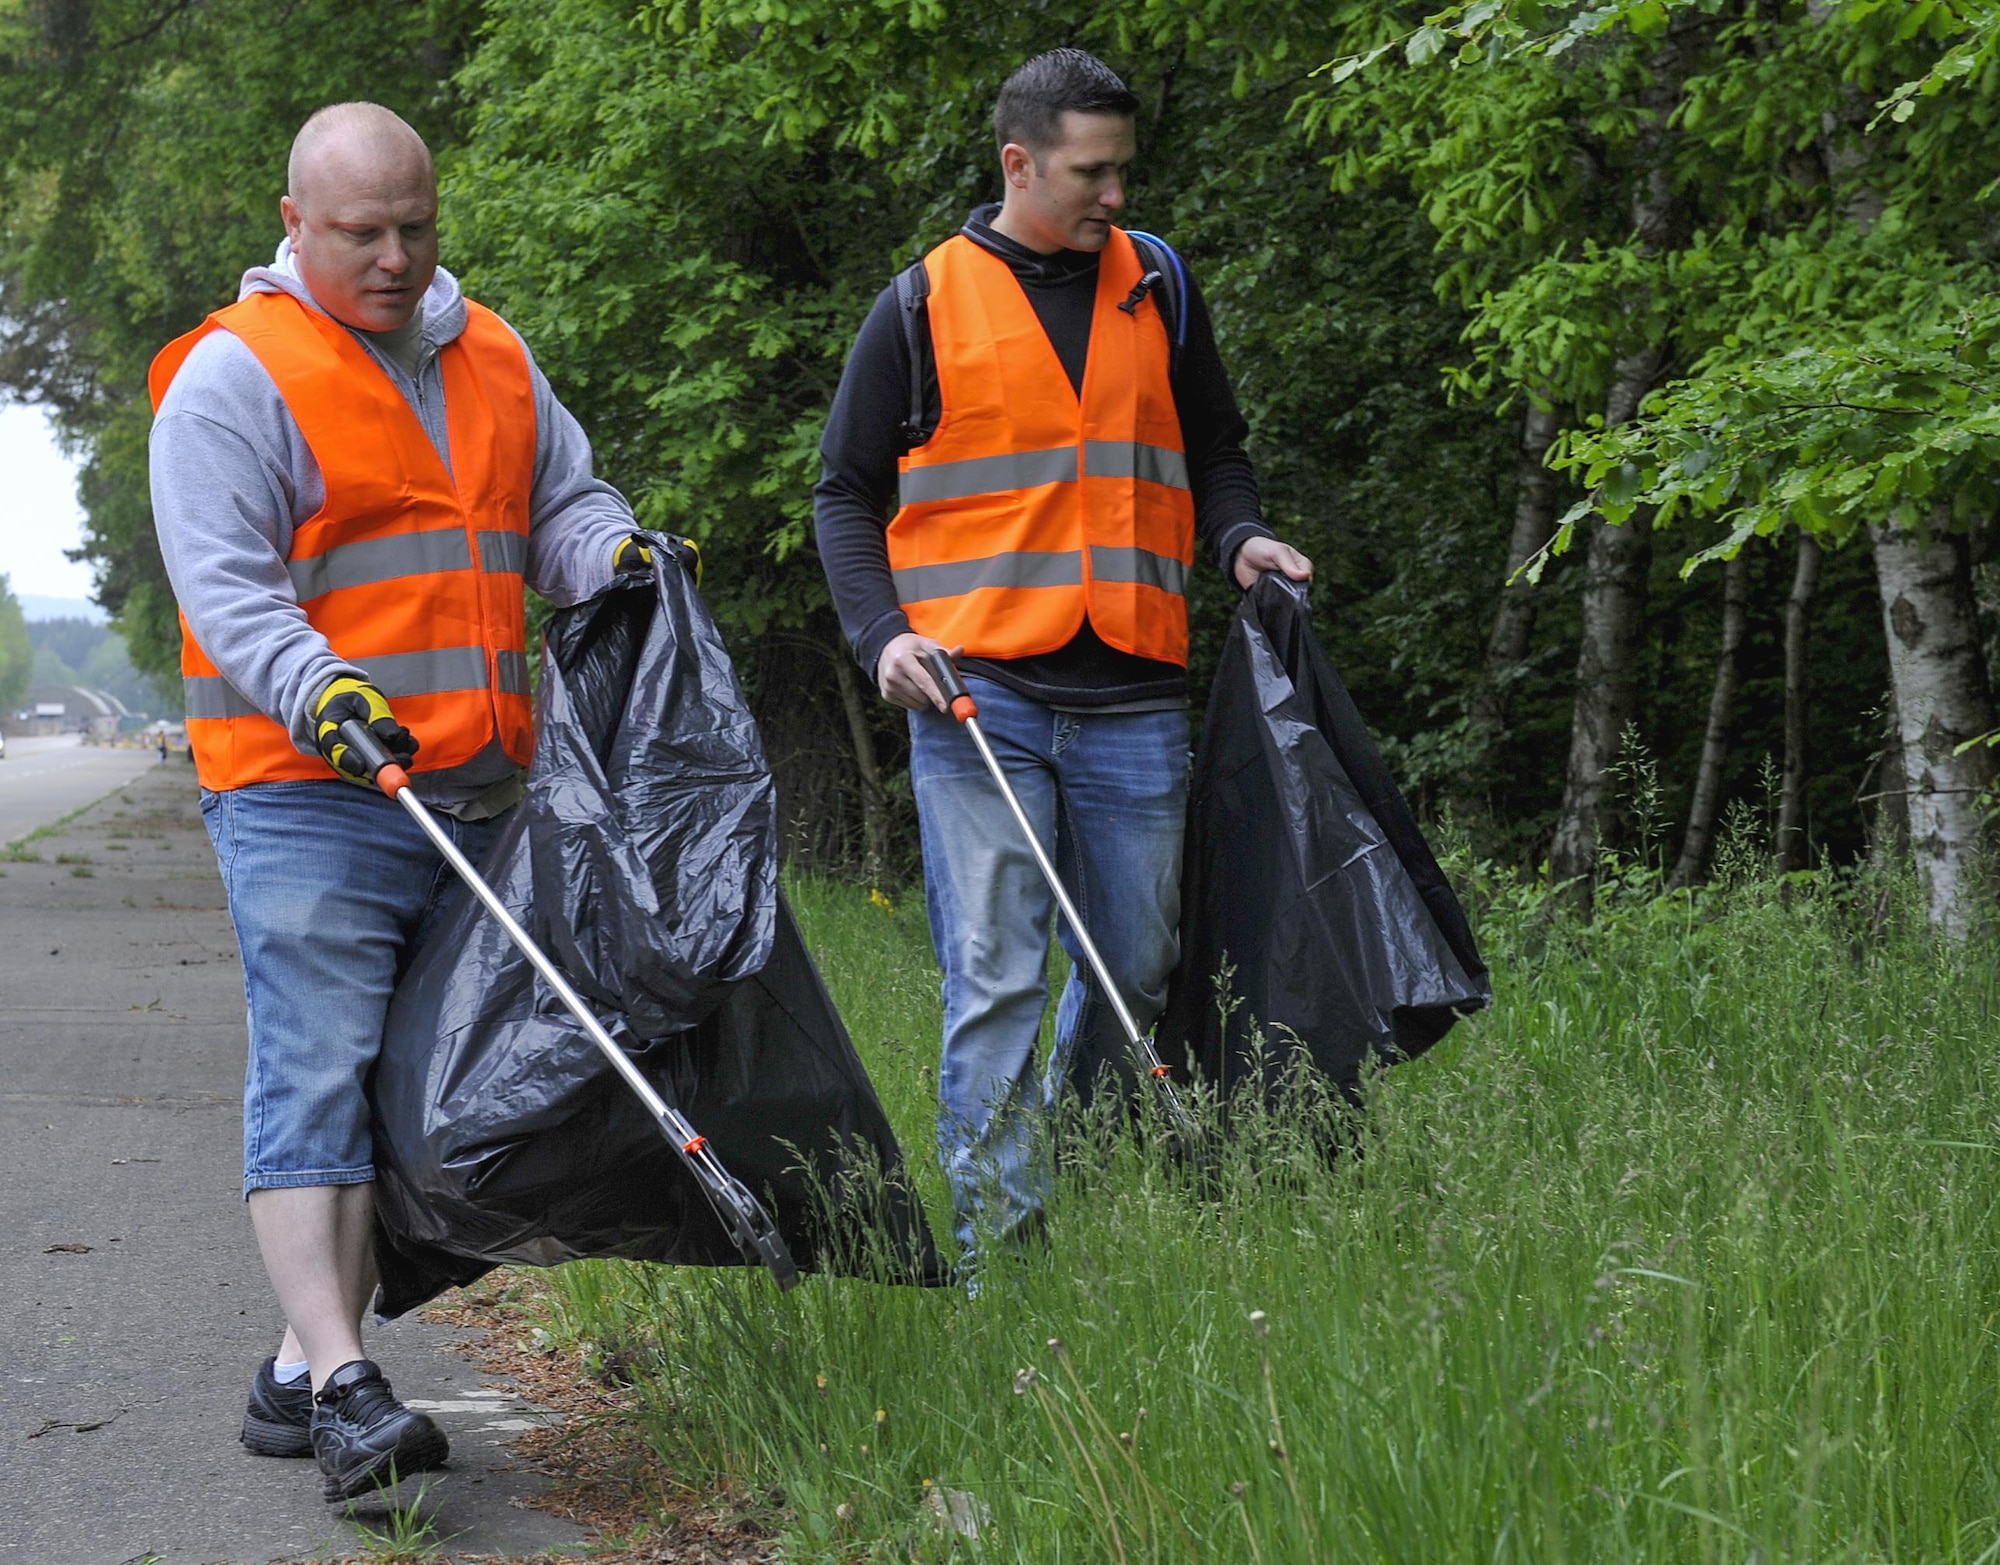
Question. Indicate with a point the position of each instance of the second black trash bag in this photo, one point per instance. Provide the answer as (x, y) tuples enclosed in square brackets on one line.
[(644, 862), (1306, 881)]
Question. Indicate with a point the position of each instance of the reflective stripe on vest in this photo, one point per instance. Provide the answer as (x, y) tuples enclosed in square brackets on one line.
[(380, 559), (1029, 469), (1032, 507), (411, 570), (395, 674)]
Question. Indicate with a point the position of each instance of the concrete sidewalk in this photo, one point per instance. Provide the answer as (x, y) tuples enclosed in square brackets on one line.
[(136, 1308)]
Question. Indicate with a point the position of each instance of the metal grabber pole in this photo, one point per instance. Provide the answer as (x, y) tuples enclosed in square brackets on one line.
[(742, 1215), (1145, 1058)]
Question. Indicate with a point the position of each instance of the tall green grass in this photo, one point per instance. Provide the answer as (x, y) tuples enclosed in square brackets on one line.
[(1684, 1251)]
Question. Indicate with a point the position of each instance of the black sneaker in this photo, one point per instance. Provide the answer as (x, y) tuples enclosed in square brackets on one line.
[(278, 1419), (364, 1438)]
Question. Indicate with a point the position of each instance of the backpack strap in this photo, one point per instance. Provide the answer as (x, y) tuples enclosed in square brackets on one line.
[(913, 288), (1156, 255)]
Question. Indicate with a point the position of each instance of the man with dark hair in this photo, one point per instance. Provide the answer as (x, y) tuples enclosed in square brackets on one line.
[(1033, 435), (1034, 99)]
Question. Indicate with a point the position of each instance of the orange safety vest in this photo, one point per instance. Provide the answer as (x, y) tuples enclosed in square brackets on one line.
[(1029, 507), (411, 571)]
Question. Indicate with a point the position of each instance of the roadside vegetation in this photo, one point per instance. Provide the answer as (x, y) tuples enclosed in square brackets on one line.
[(1682, 1252)]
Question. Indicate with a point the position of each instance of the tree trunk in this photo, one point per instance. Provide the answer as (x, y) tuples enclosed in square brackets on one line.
[(1792, 845), (1607, 665), (1534, 521), (1699, 842), (1943, 698), (874, 806), (1621, 558)]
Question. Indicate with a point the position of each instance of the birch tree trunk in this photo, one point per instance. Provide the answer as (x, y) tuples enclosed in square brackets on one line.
[(1534, 522), (1607, 665), (1792, 844), (1699, 842), (1943, 698)]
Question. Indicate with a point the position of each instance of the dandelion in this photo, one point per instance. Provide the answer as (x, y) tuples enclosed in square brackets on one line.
[(881, 1417), (1056, 1346), (1023, 1379), (1236, 1490), (1260, 1325), (877, 898), (843, 1512), (819, 1384)]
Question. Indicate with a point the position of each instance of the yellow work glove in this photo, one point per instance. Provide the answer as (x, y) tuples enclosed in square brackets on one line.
[(634, 555), (347, 700)]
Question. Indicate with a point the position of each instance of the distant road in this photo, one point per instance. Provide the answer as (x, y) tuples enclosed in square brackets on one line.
[(42, 780)]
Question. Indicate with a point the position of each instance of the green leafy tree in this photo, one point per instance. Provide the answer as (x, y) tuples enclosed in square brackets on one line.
[(1638, 193), (142, 154), (17, 657), (1845, 390)]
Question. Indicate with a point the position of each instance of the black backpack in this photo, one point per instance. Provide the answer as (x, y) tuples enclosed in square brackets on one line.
[(1163, 275)]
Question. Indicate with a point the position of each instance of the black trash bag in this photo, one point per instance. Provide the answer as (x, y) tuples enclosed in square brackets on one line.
[(644, 862), (1305, 879)]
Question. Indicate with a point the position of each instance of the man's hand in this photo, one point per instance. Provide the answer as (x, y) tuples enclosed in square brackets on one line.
[(632, 554), (346, 700), (1267, 554), (902, 677)]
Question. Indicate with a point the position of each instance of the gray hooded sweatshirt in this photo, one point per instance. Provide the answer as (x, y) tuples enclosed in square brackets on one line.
[(232, 476)]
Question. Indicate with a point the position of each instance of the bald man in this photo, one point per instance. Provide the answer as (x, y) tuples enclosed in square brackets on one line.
[(354, 469)]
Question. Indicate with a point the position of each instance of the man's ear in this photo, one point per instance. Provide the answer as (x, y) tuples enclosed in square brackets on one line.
[(288, 209), (1016, 163)]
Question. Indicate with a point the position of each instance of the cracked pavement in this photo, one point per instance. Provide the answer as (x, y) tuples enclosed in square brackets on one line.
[(137, 1309)]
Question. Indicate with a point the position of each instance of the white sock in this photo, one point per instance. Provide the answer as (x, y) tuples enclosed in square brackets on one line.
[(290, 1374)]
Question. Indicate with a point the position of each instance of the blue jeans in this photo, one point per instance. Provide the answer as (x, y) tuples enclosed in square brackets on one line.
[(331, 887), (1107, 794)]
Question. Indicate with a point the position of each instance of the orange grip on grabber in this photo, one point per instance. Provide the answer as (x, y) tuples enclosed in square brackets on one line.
[(963, 708), (695, 1145)]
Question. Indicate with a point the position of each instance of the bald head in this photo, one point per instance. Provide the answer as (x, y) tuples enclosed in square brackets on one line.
[(348, 143), (361, 214)]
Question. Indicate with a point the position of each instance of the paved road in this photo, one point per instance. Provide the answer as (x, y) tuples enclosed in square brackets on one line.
[(135, 1308), (42, 780)]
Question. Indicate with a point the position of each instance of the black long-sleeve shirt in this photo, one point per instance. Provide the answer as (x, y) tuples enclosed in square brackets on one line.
[(856, 495)]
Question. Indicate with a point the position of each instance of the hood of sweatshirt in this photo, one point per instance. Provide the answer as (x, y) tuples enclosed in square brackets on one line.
[(444, 305)]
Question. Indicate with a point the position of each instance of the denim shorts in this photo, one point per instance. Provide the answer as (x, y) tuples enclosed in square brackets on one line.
[(331, 887)]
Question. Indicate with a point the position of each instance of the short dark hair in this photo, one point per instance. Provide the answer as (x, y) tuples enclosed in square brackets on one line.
[(1063, 81)]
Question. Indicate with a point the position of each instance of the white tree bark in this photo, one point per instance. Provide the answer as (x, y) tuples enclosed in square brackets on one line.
[(1943, 698)]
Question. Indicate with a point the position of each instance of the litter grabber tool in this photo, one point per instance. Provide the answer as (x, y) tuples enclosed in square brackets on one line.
[(1145, 1058), (742, 1215)]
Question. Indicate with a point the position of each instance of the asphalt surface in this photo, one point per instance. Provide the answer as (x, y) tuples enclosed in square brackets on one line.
[(136, 1308), (42, 780)]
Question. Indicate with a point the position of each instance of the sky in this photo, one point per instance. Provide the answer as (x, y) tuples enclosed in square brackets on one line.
[(39, 514)]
